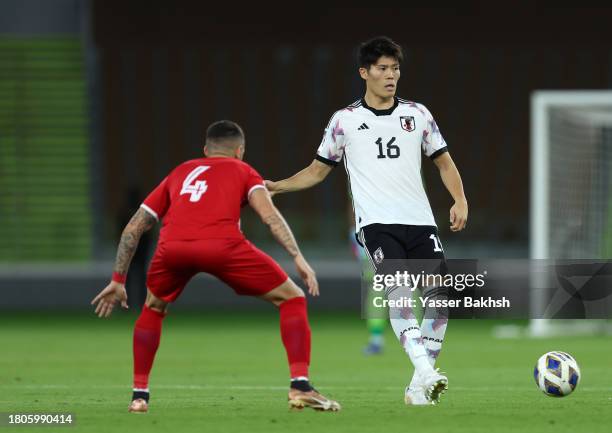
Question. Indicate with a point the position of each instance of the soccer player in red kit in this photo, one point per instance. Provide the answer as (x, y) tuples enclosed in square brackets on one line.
[(199, 205)]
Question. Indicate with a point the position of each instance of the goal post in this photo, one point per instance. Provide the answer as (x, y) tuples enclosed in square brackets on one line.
[(571, 185)]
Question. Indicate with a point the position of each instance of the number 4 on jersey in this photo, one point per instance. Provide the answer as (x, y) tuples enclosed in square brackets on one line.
[(195, 187)]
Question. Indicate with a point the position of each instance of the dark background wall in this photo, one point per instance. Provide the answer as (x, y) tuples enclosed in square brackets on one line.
[(170, 68), (151, 75)]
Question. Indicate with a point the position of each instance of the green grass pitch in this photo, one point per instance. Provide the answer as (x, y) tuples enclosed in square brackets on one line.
[(227, 373)]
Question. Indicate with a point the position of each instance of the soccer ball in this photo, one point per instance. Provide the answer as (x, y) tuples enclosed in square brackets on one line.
[(557, 374)]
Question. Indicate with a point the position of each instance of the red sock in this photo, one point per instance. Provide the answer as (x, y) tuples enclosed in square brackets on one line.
[(295, 333), (147, 333)]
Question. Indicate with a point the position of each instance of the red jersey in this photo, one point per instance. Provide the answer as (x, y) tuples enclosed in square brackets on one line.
[(202, 198)]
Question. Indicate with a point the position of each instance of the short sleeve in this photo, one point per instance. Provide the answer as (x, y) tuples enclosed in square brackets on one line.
[(432, 142), (253, 181), (331, 150), (158, 201)]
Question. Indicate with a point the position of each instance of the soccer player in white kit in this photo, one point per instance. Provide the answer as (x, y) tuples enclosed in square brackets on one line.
[(380, 139)]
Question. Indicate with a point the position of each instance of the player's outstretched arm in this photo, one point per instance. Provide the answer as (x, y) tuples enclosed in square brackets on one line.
[(306, 178), (452, 180), (141, 222), (261, 202)]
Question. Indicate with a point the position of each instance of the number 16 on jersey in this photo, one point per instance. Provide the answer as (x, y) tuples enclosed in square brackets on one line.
[(393, 150)]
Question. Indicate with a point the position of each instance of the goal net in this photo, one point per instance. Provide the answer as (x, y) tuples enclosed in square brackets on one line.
[(571, 187)]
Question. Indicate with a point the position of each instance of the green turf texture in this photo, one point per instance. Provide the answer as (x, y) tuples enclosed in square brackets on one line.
[(227, 373)]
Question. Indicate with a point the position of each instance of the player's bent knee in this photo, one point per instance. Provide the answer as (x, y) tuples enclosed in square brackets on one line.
[(284, 292), (154, 303), (293, 291)]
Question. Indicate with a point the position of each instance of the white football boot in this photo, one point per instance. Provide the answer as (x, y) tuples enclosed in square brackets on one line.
[(434, 385), (416, 397)]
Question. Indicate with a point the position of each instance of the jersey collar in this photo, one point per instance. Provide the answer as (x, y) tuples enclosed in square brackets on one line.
[(384, 112)]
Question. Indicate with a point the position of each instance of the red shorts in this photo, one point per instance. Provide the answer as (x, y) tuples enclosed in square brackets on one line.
[(237, 262)]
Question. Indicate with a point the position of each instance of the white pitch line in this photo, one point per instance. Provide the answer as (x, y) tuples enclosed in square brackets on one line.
[(274, 388)]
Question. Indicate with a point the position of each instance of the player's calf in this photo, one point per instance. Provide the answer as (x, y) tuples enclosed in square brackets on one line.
[(296, 336), (147, 334), (285, 292)]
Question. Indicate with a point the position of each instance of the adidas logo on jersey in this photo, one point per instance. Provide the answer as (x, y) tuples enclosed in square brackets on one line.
[(363, 126)]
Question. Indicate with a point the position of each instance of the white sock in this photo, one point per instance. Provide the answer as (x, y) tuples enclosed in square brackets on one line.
[(435, 321), (433, 331), (415, 383), (432, 347), (407, 330)]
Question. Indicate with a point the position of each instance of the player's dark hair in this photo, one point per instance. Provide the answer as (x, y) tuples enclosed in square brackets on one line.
[(224, 130), (372, 50)]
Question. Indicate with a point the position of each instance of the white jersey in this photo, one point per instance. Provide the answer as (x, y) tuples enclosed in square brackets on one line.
[(382, 157)]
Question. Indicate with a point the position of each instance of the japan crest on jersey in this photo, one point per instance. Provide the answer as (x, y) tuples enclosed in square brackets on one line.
[(379, 256), (407, 123)]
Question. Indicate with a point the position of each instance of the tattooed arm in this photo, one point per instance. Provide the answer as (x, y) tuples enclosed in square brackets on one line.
[(261, 202), (141, 222), (114, 292)]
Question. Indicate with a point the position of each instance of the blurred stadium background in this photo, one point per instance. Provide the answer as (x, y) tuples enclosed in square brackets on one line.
[(99, 99)]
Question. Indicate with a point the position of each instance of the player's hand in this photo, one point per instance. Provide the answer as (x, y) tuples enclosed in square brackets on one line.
[(107, 298), (307, 274), (271, 187), (458, 216)]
